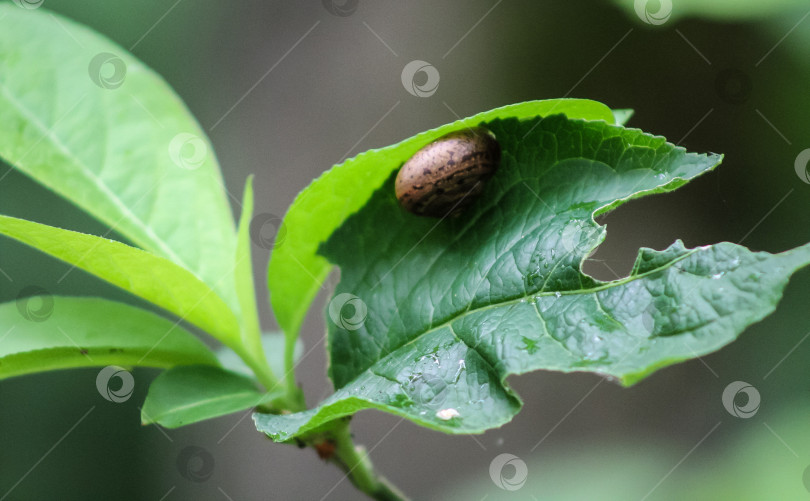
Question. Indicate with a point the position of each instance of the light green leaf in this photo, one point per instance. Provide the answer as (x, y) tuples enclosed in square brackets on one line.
[(449, 309), (273, 348), (43, 333), (245, 288), (145, 275), (252, 352), (186, 395), (295, 272), (83, 117)]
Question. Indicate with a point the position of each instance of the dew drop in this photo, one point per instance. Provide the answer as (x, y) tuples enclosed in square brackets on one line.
[(594, 349), (461, 367)]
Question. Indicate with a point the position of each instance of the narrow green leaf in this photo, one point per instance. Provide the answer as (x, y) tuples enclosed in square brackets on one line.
[(145, 275), (82, 116), (295, 272), (44, 333), (186, 395), (449, 309), (245, 288), (251, 351)]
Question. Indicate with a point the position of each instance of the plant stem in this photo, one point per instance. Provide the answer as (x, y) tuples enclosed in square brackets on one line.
[(293, 391), (292, 400), (258, 364), (355, 462)]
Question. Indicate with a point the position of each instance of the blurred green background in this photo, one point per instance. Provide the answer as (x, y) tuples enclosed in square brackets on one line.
[(723, 76)]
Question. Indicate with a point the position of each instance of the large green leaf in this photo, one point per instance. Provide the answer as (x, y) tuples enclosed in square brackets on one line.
[(86, 119), (449, 309), (296, 272), (146, 275), (186, 395), (43, 333)]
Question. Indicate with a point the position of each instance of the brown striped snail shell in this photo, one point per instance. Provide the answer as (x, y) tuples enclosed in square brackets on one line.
[(448, 174)]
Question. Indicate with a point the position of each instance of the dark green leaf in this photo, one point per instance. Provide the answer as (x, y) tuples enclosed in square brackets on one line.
[(295, 272), (453, 307)]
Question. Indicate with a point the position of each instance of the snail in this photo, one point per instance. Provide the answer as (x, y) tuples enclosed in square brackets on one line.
[(445, 176)]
